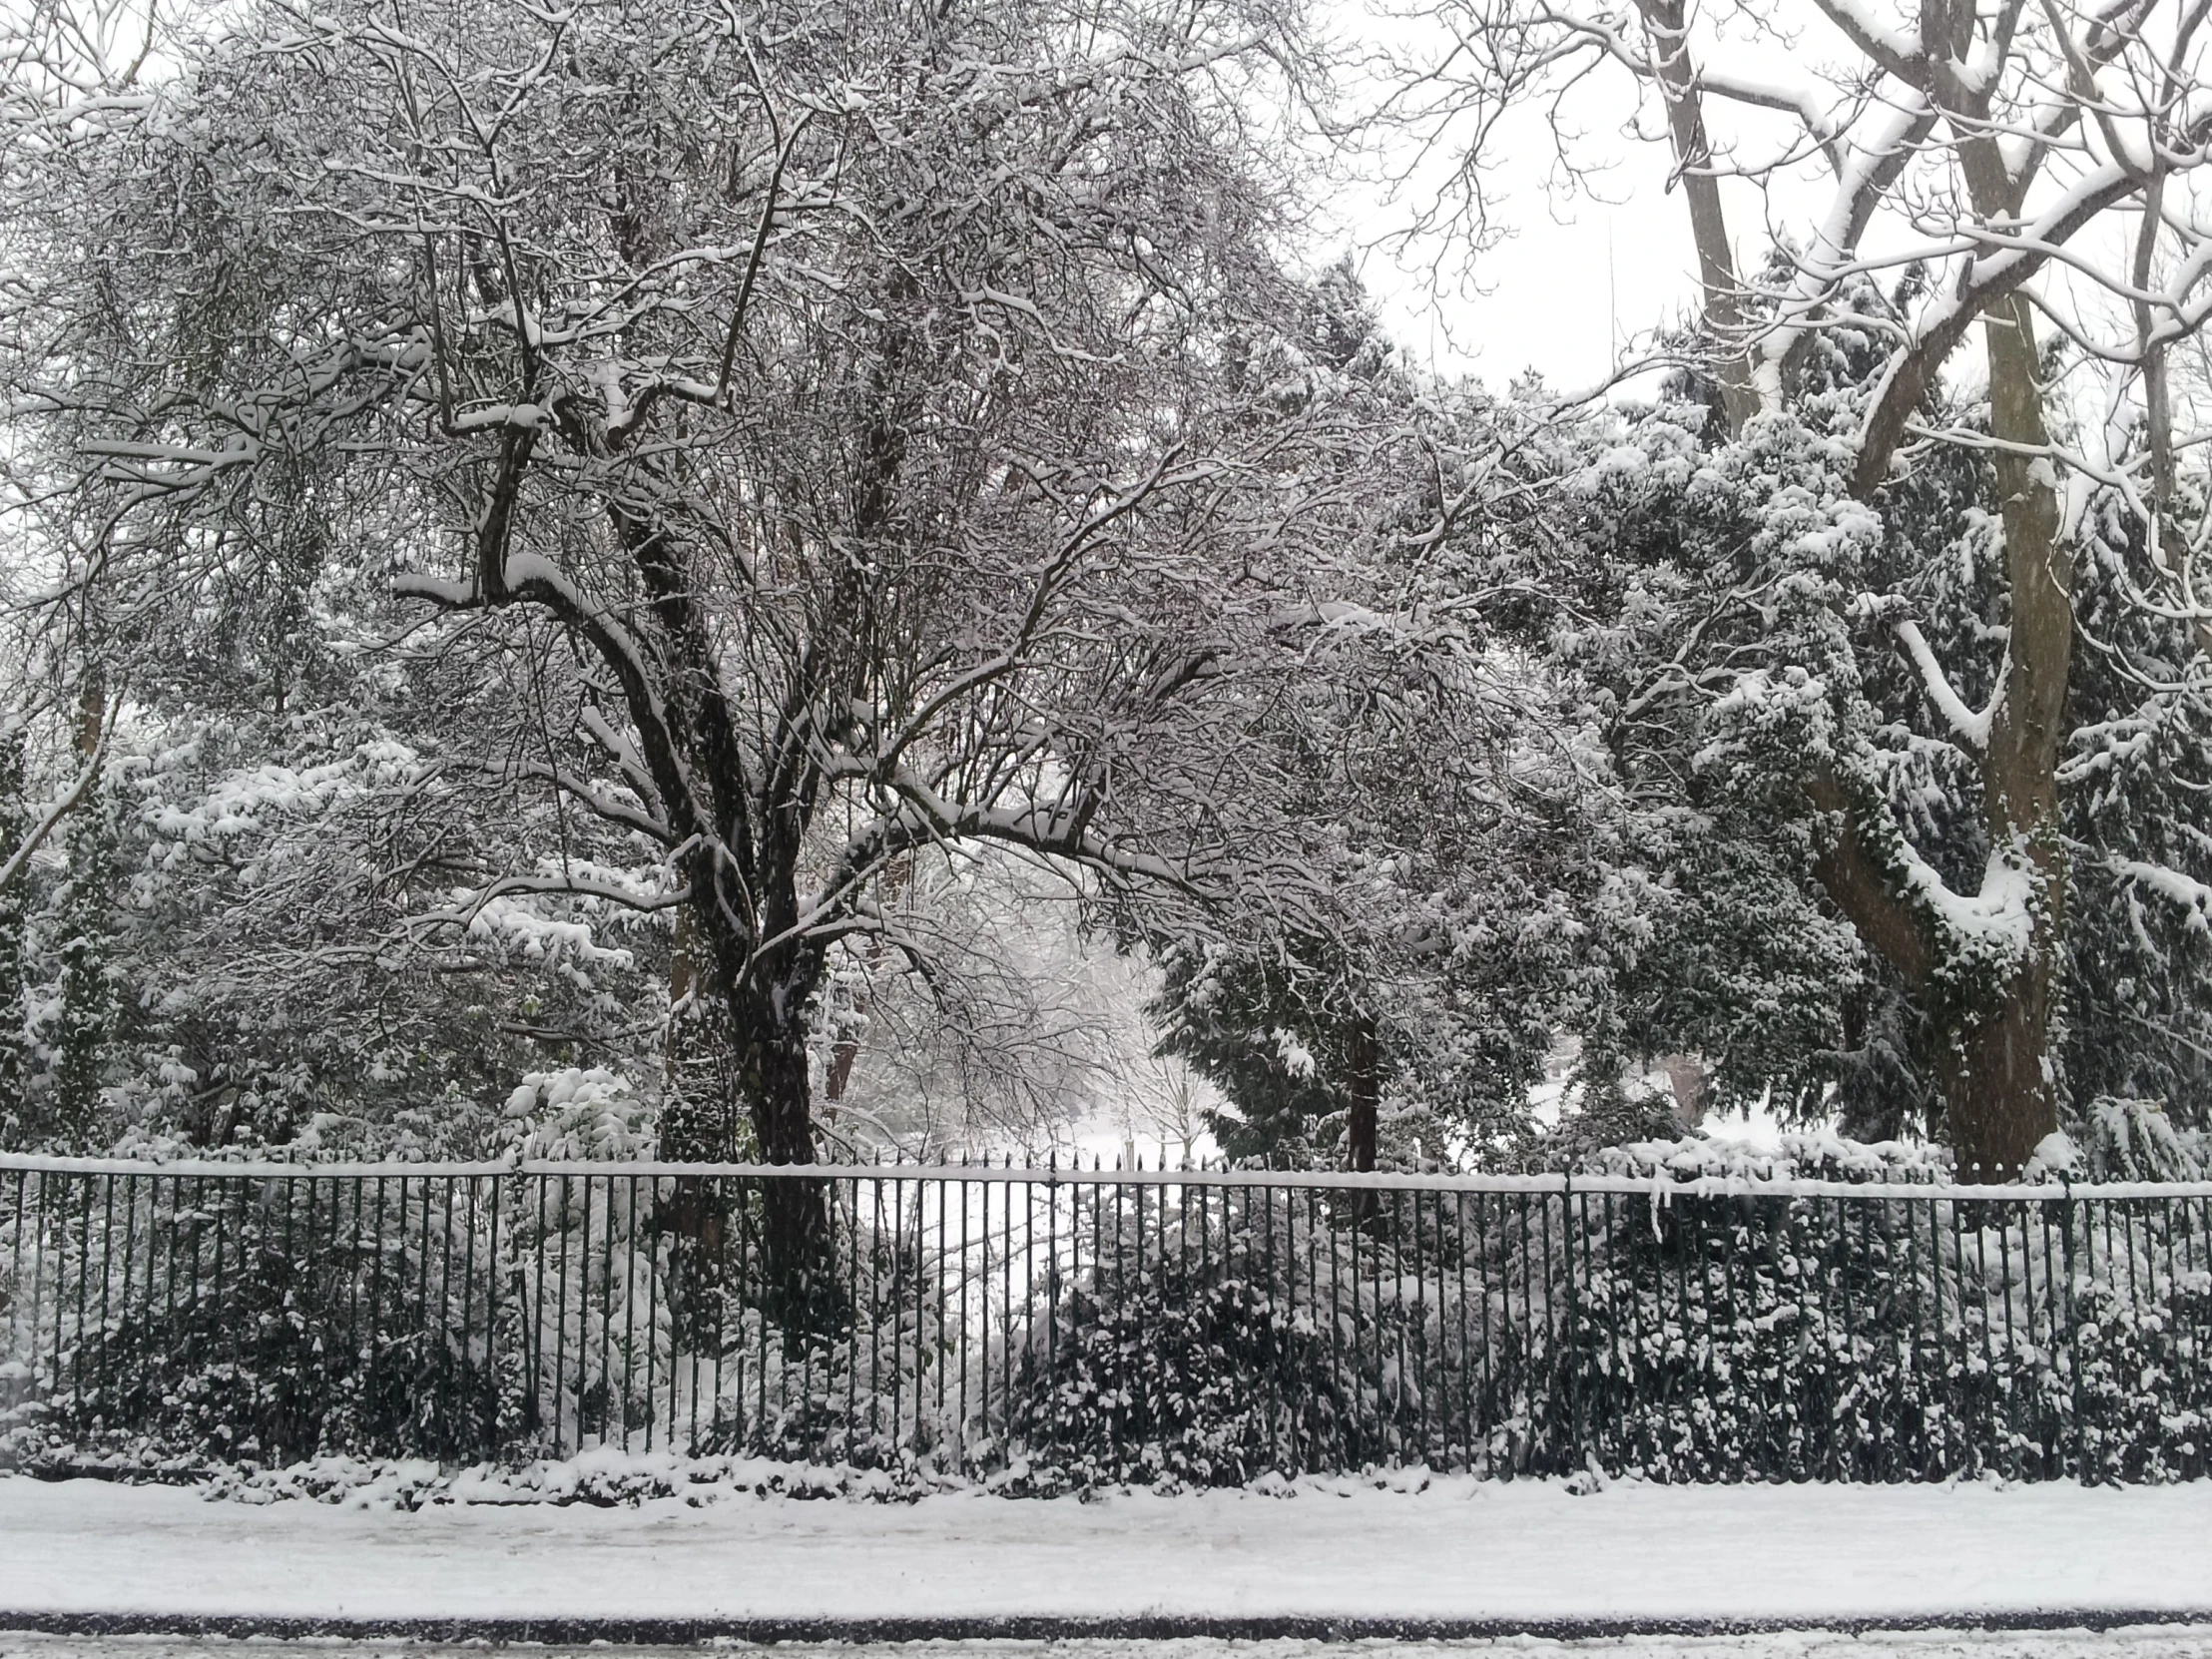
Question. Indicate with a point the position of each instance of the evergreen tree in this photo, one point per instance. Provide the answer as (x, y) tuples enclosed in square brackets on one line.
[(83, 1026)]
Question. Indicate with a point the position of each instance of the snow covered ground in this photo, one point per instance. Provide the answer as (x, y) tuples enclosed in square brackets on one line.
[(2144, 1642), (1456, 1551)]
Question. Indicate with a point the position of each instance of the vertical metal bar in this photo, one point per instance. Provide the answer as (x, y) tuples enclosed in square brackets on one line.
[(604, 1185), (2073, 1345), (1263, 1265), (1412, 1201), (983, 1308), (946, 1346), (1006, 1303), (760, 1315), (1468, 1358), (653, 1324), (421, 1317), (875, 1306), (912, 1194), (1620, 1385), (897, 1306), (1942, 1463), (485, 1423), (631, 1232), (966, 1205), (1052, 1262), (537, 1318), (1552, 1346), (1489, 1260), (706, 1278), (560, 1333), (1313, 1454), (1571, 1337), (2055, 1448), (1971, 1416), (106, 1279), (2012, 1341)]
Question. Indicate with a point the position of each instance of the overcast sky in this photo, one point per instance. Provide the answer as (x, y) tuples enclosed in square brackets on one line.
[(1558, 295), (1577, 273)]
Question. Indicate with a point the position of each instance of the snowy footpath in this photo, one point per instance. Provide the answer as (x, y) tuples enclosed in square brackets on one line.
[(2141, 1642), (1459, 1555)]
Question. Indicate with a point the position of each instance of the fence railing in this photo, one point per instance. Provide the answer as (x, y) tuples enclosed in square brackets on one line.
[(1050, 1328)]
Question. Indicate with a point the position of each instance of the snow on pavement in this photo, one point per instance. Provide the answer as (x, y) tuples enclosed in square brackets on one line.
[(2146, 1642), (1460, 1549)]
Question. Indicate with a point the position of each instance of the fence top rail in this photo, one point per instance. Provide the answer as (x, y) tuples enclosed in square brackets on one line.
[(1658, 1189)]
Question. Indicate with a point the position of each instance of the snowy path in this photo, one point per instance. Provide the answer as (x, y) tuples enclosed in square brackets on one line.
[(1457, 1552), (2139, 1643)]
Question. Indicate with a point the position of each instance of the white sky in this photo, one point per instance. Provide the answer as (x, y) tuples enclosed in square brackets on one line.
[(1584, 272), (1579, 273), (1560, 295)]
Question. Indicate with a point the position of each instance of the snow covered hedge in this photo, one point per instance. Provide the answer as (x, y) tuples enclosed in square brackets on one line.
[(1768, 1334), (1075, 1336)]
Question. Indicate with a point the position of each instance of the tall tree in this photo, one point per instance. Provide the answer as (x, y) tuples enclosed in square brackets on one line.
[(818, 415), (2032, 169), (1424, 892)]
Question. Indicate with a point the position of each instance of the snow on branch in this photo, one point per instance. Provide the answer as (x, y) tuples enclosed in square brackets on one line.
[(2170, 884), (1969, 725)]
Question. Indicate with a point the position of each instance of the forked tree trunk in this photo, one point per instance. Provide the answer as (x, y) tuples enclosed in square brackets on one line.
[(2001, 1084), (1990, 1006), (797, 1256)]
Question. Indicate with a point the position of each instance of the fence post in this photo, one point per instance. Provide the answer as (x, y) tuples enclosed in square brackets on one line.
[(2074, 1336), (1574, 1326)]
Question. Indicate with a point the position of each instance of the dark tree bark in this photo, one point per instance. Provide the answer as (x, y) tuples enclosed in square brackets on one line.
[(1366, 1094)]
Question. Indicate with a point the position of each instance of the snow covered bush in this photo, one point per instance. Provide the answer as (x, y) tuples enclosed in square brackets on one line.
[(1233, 1335), (245, 1321), (1772, 1335), (1172, 1372), (577, 1115)]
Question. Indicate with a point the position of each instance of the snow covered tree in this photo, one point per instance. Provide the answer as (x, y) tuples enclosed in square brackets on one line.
[(81, 1031), (1429, 878), (816, 419), (1890, 567)]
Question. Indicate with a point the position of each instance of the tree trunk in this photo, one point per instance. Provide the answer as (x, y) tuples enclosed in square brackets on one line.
[(1366, 1094), (1997, 1092), (797, 1260), (1666, 27), (2000, 1087)]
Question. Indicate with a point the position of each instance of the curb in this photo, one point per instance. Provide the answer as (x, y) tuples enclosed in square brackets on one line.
[(680, 1632)]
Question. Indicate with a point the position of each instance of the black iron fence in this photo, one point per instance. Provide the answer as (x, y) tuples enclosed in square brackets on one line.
[(1047, 1329)]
